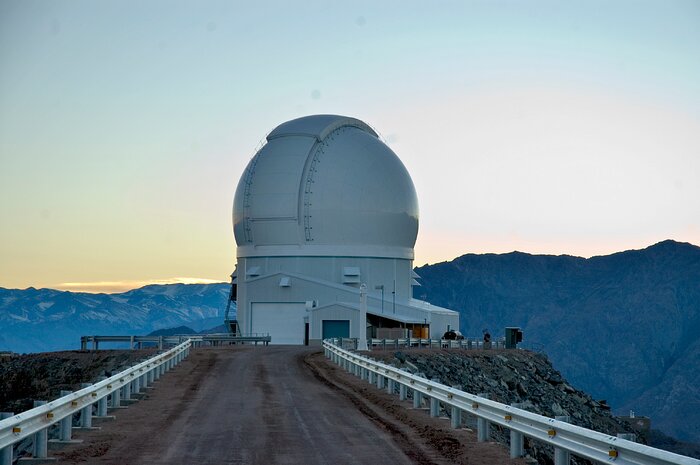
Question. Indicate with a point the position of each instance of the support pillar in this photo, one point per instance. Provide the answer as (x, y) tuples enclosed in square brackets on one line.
[(362, 340), (417, 399), (434, 407), (456, 418), (380, 382), (402, 392), (66, 425), (126, 392), (562, 456), (6, 453), (390, 386), (41, 438), (136, 385), (116, 398), (483, 427), (86, 412), (517, 443)]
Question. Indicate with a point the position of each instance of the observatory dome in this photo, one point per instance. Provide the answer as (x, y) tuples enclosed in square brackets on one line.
[(325, 185)]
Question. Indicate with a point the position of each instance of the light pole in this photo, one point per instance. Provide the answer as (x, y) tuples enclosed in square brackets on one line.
[(362, 341), (381, 286)]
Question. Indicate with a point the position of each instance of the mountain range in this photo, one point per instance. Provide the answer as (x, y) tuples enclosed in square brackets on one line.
[(623, 327), (41, 320)]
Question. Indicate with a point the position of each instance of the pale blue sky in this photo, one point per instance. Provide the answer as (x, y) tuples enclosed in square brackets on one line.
[(547, 127)]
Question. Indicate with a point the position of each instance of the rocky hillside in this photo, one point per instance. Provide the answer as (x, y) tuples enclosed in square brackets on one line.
[(623, 327), (517, 376), (42, 376), (37, 320)]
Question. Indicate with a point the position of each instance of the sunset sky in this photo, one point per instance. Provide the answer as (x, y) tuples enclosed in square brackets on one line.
[(551, 127)]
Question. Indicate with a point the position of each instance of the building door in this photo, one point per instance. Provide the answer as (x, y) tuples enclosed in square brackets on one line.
[(284, 321), (336, 328)]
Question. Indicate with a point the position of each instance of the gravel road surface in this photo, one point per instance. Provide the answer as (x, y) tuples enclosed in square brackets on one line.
[(271, 405)]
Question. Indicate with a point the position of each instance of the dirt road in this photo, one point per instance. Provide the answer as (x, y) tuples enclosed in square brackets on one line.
[(265, 405)]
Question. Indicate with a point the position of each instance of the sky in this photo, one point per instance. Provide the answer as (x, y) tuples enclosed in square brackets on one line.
[(555, 127)]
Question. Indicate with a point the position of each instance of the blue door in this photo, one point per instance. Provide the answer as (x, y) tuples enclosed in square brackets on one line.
[(336, 328)]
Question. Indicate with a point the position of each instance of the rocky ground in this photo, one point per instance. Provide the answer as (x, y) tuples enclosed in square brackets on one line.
[(25, 378), (510, 376)]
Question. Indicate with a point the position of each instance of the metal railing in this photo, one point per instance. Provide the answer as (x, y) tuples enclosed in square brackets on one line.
[(565, 437), (37, 420), (93, 342), (466, 343)]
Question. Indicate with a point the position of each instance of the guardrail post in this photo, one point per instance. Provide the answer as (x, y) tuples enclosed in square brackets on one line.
[(102, 403), (434, 407), (144, 379), (417, 399), (116, 399), (483, 427), (456, 418), (6, 453), (66, 425), (41, 438), (380, 382), (562, 456), (136, 385), (402, 391), (390, 386), (126, 391), (517, 448), (86, 412)]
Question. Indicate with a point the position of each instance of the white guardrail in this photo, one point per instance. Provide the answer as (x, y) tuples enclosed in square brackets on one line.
[(563, 436), (37, 420)]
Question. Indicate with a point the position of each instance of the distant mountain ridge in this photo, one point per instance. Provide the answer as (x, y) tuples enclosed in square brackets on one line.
[(39, 320), (624, 327)]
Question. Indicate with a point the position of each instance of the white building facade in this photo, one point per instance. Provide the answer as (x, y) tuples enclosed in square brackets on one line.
[(323, 207)]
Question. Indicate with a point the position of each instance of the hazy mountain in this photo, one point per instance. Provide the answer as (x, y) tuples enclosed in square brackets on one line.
[(38, 320), (623, 327)]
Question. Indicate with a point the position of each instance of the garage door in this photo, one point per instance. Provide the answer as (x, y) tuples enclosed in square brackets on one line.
[(283, 321), (336, 328)]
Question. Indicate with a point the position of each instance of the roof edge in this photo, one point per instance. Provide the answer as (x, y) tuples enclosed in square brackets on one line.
[(318, 126)]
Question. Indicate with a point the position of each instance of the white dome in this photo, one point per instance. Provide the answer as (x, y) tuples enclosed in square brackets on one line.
[(325, 185)]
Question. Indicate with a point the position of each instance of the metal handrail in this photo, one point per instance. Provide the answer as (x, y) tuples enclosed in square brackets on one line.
[(466, 343), (577, 440), (25, 424)]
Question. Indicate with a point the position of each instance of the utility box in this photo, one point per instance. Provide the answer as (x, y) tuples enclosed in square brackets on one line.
[(513, 336)]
